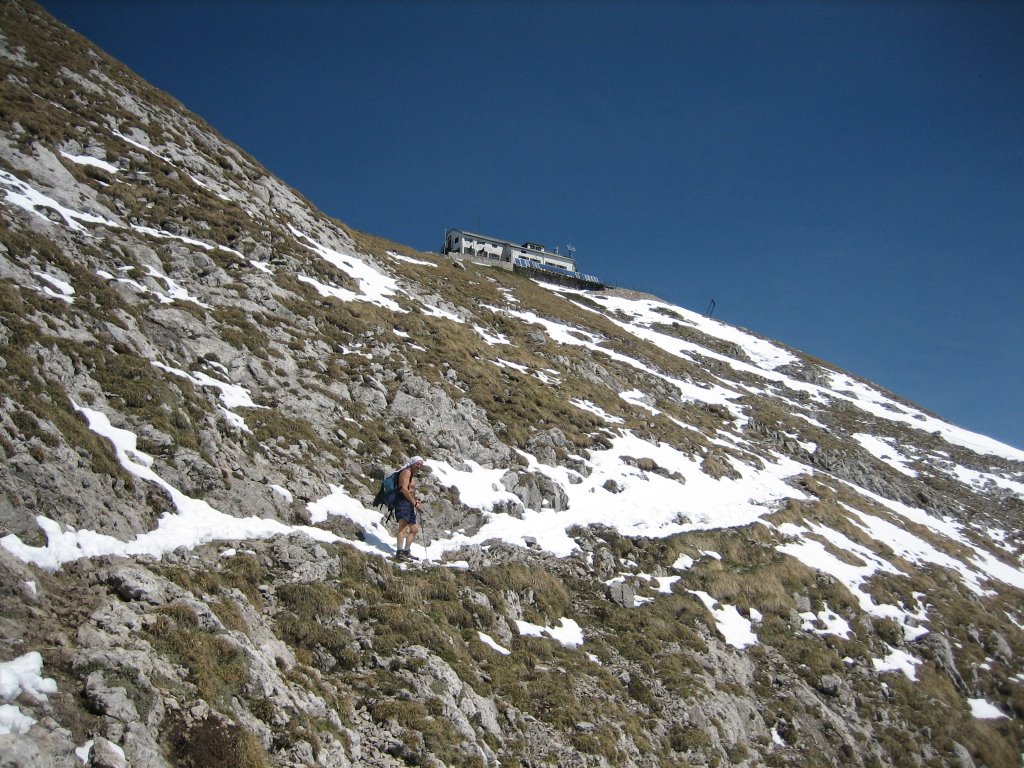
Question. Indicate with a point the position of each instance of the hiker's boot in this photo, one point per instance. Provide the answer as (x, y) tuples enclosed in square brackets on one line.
[(409, 555), (401, 554)]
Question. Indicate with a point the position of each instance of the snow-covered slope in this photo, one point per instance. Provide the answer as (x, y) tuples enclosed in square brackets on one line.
[(746, 553)]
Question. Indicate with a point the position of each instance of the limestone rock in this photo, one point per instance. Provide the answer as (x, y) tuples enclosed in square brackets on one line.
[(622, 593)]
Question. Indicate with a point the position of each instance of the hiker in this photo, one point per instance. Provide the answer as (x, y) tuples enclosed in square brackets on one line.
[(406, 506)]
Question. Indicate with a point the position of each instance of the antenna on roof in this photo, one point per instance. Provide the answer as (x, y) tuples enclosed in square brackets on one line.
[(571, 249)]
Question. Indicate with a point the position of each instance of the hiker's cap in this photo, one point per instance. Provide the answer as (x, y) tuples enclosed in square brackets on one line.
[(416, 460)]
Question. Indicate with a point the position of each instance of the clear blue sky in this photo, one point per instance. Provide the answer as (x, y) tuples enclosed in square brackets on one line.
[(845, 177)]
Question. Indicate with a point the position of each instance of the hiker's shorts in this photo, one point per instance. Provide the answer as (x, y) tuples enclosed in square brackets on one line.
[(405, 511)]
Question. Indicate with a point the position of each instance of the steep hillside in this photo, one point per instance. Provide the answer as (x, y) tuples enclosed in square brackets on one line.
[(650, 538)]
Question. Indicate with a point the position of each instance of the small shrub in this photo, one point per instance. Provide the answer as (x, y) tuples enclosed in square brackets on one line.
[(600, 741), (217, 666), (214, 742), (686, 738), (309, 601), (550, 597)]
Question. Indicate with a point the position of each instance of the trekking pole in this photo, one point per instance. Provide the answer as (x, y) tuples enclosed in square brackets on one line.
[(423, 530)]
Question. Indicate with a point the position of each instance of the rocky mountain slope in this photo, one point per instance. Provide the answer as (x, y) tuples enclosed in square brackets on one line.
[(650, 538)]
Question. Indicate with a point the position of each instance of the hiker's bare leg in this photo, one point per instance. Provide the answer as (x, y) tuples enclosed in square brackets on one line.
[(403, 526)]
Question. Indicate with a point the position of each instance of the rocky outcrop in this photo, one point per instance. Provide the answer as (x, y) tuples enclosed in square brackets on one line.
[(458, 429)]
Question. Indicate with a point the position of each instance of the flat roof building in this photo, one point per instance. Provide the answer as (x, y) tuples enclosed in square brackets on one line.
[(530, 258)]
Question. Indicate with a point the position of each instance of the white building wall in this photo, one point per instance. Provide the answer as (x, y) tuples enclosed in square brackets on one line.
[(462, 242)]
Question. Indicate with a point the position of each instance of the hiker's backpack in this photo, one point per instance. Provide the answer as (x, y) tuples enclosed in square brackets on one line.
[(387, 495)]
